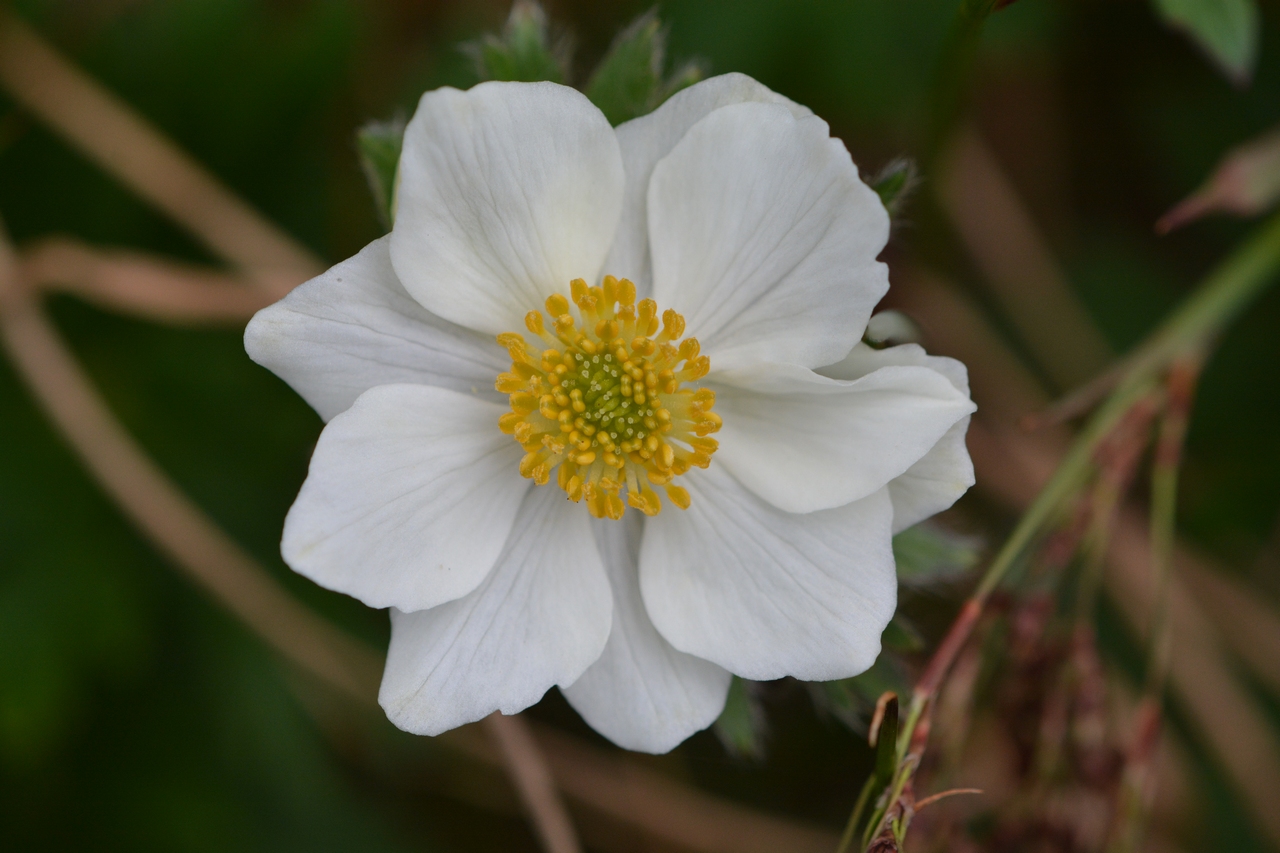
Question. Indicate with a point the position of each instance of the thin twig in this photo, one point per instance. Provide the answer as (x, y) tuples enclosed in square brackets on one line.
[(528, 769), (139, 284), (942, 795), (1078, 402), (159, 508), (983, 206), (112, 134)]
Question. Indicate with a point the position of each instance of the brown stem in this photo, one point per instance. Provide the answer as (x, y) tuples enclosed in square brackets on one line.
[(528, 769), (113, 135), (139, 284), (159, 508)]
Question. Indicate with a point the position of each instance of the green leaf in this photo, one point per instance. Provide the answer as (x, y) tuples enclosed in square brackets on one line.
[(928, 554), (628, 81), (742, 726), (524, 51), (1226, 30), (379, 144)]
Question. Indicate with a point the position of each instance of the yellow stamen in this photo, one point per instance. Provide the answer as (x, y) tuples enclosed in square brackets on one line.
[(604, 406)]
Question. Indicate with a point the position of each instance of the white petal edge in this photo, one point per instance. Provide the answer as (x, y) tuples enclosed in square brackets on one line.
[(805, 442), (765, 593), (540, 618), (506, 192), (409, 499), (647, 139), (763, 236), (354, 327), (944, 473), (642, 694)]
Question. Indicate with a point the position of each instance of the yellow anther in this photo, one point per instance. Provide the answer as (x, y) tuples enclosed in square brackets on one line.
[(578, 291), (667, 457), (646, 317), (564, 325), (672, 325), (557, 305), (602, 406), (626, 292), (530, 461), (508, 383), (697, 368)]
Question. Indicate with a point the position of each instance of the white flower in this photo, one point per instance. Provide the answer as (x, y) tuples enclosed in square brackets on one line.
[(769, 554)]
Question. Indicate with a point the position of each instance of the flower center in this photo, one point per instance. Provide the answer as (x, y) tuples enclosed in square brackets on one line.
[(603, 404)]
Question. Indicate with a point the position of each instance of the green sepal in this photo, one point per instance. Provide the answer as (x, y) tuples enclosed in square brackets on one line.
[(895, 184), (628, 81), (524, 50), (378, 144), (851, 700), (901, 636), (928, 554), (741, 726)]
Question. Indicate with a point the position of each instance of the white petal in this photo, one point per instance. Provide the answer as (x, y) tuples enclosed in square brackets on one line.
[(804, 442), (410, 497), (647, 139), (506, 193), (355, 327), (539, 619), (944, 473), (642, 694), (765, 593), (765, 239)]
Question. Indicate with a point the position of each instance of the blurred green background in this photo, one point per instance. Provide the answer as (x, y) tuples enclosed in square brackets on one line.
[(136, 715)]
